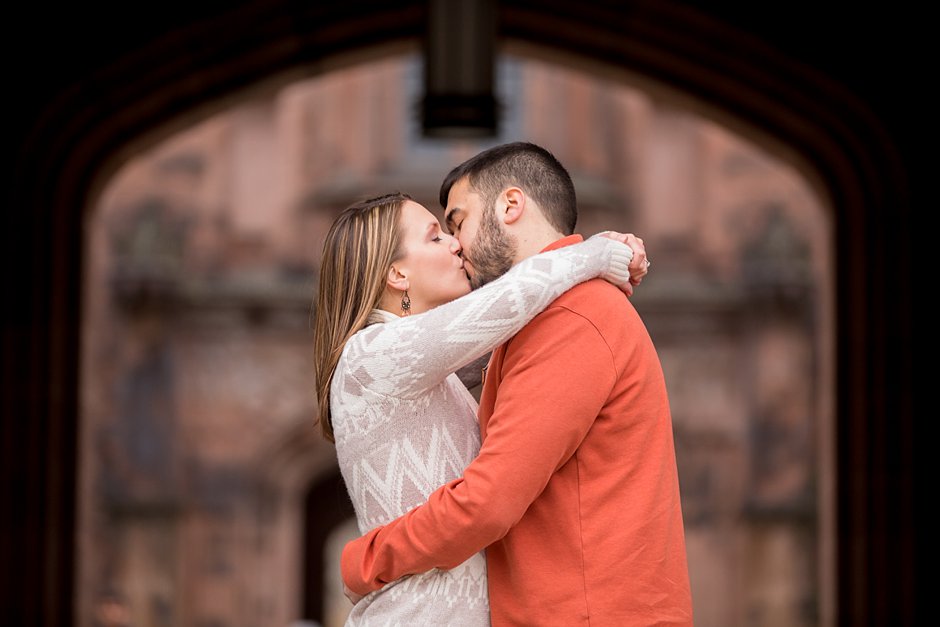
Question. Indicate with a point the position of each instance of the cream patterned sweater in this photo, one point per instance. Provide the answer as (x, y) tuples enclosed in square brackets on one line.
[(405, 425)]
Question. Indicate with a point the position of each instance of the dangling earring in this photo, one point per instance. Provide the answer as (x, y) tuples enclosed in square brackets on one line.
[(405, 304)]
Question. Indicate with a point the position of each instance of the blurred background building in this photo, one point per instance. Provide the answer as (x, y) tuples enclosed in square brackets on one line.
[(207, 497)]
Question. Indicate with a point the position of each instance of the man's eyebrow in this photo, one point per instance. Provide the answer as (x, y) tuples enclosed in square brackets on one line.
[(449, 218)]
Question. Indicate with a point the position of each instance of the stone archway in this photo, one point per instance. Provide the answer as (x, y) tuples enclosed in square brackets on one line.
[(311, 501), (124, 94)]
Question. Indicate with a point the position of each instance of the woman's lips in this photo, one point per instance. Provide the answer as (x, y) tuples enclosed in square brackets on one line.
[(463, 267)]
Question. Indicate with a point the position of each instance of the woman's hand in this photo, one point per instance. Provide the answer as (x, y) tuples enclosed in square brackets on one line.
[(639, 265)]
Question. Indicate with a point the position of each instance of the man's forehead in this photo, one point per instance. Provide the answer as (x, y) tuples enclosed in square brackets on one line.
[(456, 199), (460, 189)]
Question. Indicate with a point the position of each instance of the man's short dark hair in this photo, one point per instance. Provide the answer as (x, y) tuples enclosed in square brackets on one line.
[(524, 165)]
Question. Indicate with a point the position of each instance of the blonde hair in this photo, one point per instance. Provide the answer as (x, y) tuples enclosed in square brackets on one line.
[(363, 243)]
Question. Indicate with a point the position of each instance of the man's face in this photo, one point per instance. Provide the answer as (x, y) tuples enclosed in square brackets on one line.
[(488, 251)]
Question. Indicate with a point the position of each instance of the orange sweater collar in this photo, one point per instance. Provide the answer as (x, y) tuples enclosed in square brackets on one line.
[(568, 240)]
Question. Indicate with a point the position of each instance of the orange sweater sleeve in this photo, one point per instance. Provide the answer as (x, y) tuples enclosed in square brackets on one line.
[(556, 376)]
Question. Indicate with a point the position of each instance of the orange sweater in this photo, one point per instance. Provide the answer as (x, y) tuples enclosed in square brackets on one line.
[(575, 493)]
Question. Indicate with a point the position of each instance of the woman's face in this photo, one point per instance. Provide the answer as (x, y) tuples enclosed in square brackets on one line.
[(431, 265)]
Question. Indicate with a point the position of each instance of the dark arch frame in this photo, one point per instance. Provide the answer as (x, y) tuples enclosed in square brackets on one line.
[(88, 95)]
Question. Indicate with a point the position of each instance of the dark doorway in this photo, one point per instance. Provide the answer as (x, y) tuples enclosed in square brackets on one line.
[(326, 506)]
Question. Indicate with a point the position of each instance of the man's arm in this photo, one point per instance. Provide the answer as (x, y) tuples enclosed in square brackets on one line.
[(557, 374)]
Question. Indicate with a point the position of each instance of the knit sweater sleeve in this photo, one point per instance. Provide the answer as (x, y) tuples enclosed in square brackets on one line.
[(407, 356)]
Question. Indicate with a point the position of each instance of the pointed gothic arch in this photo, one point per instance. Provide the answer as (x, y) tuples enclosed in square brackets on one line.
[(114, 93)]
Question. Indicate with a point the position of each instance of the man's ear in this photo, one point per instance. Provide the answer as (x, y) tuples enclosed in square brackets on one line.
[(514, 201), (396, 280)]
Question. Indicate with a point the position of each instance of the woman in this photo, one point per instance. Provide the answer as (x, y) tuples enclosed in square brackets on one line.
[(395, 319)]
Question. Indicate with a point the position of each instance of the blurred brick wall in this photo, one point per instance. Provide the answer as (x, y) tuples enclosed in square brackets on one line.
[(197, 399)]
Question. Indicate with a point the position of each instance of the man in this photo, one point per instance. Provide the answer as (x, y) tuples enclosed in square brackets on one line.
[(574, 494)]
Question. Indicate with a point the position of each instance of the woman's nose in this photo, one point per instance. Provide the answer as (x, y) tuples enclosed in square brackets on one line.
[(455, 245)]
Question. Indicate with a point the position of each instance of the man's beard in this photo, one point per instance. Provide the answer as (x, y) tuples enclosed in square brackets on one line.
[(493, 252)]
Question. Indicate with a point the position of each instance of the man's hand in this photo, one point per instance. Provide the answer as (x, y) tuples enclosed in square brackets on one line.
[(639, 265), (352, 596)]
